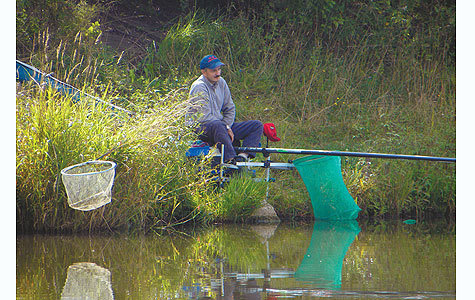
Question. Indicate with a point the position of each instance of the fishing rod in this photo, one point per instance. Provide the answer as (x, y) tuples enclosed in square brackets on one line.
[(266, 151)]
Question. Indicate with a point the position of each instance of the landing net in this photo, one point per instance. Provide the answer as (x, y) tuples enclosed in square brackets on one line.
[(89, 184)]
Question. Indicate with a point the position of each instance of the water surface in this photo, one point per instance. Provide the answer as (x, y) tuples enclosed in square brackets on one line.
[(298, 261)]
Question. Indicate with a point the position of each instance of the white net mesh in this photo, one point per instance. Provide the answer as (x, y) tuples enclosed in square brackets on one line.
[(89, 185)]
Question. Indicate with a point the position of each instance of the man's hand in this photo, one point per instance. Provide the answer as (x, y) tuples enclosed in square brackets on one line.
[(231, 134)]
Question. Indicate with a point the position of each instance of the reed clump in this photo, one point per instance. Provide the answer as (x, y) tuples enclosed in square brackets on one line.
[(153, 180), (155, 186)]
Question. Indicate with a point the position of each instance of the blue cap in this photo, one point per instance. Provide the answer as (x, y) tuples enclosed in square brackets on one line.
[(210, 62)]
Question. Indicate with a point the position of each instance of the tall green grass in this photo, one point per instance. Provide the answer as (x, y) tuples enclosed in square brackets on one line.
[(154, 184), (363, 97), (367, 97)]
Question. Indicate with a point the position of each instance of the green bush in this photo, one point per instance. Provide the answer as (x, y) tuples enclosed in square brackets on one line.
[(62, 20)]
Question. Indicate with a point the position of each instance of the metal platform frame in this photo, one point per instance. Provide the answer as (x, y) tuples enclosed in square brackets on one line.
[(267, 164)]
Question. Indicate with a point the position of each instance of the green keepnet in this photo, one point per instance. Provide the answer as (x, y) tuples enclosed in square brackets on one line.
[(328, 193)]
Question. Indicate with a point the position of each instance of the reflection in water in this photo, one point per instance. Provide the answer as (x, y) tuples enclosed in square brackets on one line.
[(245, 285), (321, 266), (87, 280), (323, 261)]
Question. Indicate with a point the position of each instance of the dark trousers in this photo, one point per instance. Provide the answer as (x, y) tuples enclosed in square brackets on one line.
[(247, 132)]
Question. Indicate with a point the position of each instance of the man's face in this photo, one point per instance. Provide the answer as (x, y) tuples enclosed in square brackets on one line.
[(212, 74)]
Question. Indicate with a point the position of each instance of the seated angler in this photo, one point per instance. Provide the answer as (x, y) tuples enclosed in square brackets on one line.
[(213, 113)]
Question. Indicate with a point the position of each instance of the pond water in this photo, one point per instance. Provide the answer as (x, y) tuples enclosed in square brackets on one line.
[(300, 261)]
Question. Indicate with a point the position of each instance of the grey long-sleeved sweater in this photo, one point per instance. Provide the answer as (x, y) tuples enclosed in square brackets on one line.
[(210, 102)]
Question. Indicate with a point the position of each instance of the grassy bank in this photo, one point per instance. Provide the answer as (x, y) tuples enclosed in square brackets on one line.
[(155, 186), (369, 98), (372, 95)]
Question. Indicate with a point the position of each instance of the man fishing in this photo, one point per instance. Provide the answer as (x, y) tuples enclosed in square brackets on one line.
[(213, 113)]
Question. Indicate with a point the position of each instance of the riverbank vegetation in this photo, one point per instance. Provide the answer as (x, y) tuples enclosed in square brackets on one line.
[(365, 76)]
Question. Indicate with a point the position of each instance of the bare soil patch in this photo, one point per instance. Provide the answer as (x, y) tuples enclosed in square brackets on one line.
[(132, 28)]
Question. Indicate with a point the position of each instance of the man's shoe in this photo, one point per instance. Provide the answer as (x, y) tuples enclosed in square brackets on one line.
[(236, 159), (239, 158), (231, 168)]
